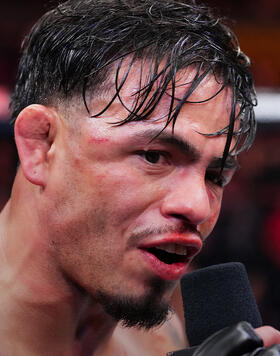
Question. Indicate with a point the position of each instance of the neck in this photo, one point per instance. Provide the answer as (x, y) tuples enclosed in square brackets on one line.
[(41, 311)]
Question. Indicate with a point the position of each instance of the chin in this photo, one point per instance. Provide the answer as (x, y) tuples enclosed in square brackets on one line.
[(143, 312)]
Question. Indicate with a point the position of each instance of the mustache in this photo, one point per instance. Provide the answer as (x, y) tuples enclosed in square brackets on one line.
[(151, 231)]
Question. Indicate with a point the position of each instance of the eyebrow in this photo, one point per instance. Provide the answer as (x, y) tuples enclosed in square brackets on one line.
[(185, 147), (172, 139)]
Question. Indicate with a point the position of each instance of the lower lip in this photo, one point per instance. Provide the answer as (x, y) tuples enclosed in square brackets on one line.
[(163, 270)]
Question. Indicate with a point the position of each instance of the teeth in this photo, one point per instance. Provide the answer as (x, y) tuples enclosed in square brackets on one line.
[(174, 248), (181, 250)]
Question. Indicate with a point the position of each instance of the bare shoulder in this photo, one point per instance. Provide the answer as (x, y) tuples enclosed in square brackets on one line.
[(158, 341)]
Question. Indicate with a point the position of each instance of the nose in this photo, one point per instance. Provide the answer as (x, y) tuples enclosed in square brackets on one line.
[(187, 199)]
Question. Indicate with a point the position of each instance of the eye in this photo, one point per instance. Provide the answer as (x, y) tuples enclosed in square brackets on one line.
[(153, 156), (216, 178)]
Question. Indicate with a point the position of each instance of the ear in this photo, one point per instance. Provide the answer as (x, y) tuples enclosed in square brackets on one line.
[(34, 135)]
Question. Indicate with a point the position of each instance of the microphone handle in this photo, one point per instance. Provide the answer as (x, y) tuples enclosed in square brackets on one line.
[(186, 352)]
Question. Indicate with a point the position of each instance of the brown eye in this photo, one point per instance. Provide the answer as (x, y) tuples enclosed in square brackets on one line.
[(155, 157), (152, 156)]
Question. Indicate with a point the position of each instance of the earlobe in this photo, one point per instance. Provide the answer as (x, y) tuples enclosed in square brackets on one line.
[(33, 140)]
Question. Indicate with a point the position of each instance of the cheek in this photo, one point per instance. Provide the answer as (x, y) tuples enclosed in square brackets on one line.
[(125, 190)]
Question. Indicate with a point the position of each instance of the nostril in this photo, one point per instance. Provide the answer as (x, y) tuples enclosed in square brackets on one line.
[(179, 217)]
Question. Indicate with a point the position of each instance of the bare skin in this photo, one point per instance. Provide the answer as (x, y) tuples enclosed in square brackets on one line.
[(133, 342), (77, 221), (269, 335)]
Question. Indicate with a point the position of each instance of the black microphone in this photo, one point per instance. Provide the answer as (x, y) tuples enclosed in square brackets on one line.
[(215, 297)]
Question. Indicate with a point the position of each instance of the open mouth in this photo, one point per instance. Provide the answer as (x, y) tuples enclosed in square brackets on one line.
[(169, 260), (167, 257)]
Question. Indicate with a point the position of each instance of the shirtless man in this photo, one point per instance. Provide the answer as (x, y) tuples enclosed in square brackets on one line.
[(128, 119)]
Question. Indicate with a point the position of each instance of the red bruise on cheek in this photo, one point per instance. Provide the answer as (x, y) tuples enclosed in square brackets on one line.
[(101, 176), (99, 140)]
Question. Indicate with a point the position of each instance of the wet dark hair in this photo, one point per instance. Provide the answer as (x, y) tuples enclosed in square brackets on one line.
[(72, 49)]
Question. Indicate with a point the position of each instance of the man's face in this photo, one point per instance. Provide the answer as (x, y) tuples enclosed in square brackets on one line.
[(128, 211)]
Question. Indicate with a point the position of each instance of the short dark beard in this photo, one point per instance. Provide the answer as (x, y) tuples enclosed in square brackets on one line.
[(143, 313)]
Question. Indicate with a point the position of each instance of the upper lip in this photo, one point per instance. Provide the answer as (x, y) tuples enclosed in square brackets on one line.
[(191, 241)]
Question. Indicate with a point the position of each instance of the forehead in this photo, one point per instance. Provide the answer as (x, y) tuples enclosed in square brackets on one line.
[(206, 104)]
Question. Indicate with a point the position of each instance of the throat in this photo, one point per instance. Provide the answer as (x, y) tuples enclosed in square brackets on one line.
[(94, 330)]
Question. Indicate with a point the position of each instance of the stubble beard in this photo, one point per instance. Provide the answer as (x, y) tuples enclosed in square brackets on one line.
[(140, 312)]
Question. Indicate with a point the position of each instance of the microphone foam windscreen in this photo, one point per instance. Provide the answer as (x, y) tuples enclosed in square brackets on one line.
[(215, 297)]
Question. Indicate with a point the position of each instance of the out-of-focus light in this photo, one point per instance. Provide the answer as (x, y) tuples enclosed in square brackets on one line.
[(4, 103), (268, 108)]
